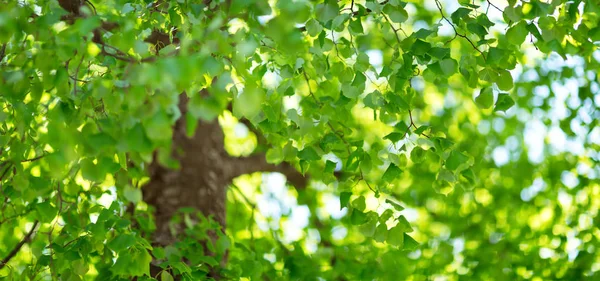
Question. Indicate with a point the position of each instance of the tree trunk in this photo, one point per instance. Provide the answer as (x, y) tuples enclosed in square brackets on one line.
[(206, 169)]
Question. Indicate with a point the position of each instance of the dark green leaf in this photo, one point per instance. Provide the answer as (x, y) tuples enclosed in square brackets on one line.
[(504, 102)]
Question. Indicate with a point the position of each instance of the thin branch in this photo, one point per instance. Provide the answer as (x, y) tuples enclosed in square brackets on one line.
[(490, 4), (35, 158), (4, 220), (309, 90), (76, 75), (2, 52), (17, 248), (392, 27), (456, 33)]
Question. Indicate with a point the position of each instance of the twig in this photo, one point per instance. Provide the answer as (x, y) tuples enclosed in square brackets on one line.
[(392, 27), (34, 158), (490, 4), (2, 52), (16, 249), (4, 220), (309, 90), (456, 33), (76, 75)]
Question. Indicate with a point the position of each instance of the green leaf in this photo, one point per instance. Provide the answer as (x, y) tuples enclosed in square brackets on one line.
[(455, 159), (420, 47), (504, 102), (368, 228), (410, 244), (91, 171), (140, 264), (338, 22), (122, 242), (449, 66), (395, 236), (404, 224), (396, 13), (359, 203), (357, 217), (356, 27), (478, 29), (374, 100), (485, 99), (327, 11), (274, 155), (46, 211), (505, 80), (381, 233), (394, 136), (421, 129), (158, 127), (460, 14), (488, 75), (344, 199), (439, 53), (248, 103), (391, 173), (329, 166), (166, 276), (313, 27), (398, 101), (445, 175), (396, 206), (517, 33), (137, 140), (417, 155), (422, 33), (308, 154), (133, 195), (362, 65)]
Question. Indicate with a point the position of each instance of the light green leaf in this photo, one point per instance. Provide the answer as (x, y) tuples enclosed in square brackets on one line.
[(396, 13), (449, 66), (381, 233), (396, 236), (248, 103), (166, 276), (517, 33), (505, 80), (158, 127), (313, 27), (359, 203), (133, 195)]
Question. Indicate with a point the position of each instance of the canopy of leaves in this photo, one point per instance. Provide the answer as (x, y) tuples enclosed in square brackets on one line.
[(444, 140)]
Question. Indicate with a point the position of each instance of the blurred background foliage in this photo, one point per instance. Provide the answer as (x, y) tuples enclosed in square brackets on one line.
[(463, 136)]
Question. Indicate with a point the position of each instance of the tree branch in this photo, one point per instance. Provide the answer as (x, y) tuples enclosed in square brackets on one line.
[(258, 163), (17, 248)]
